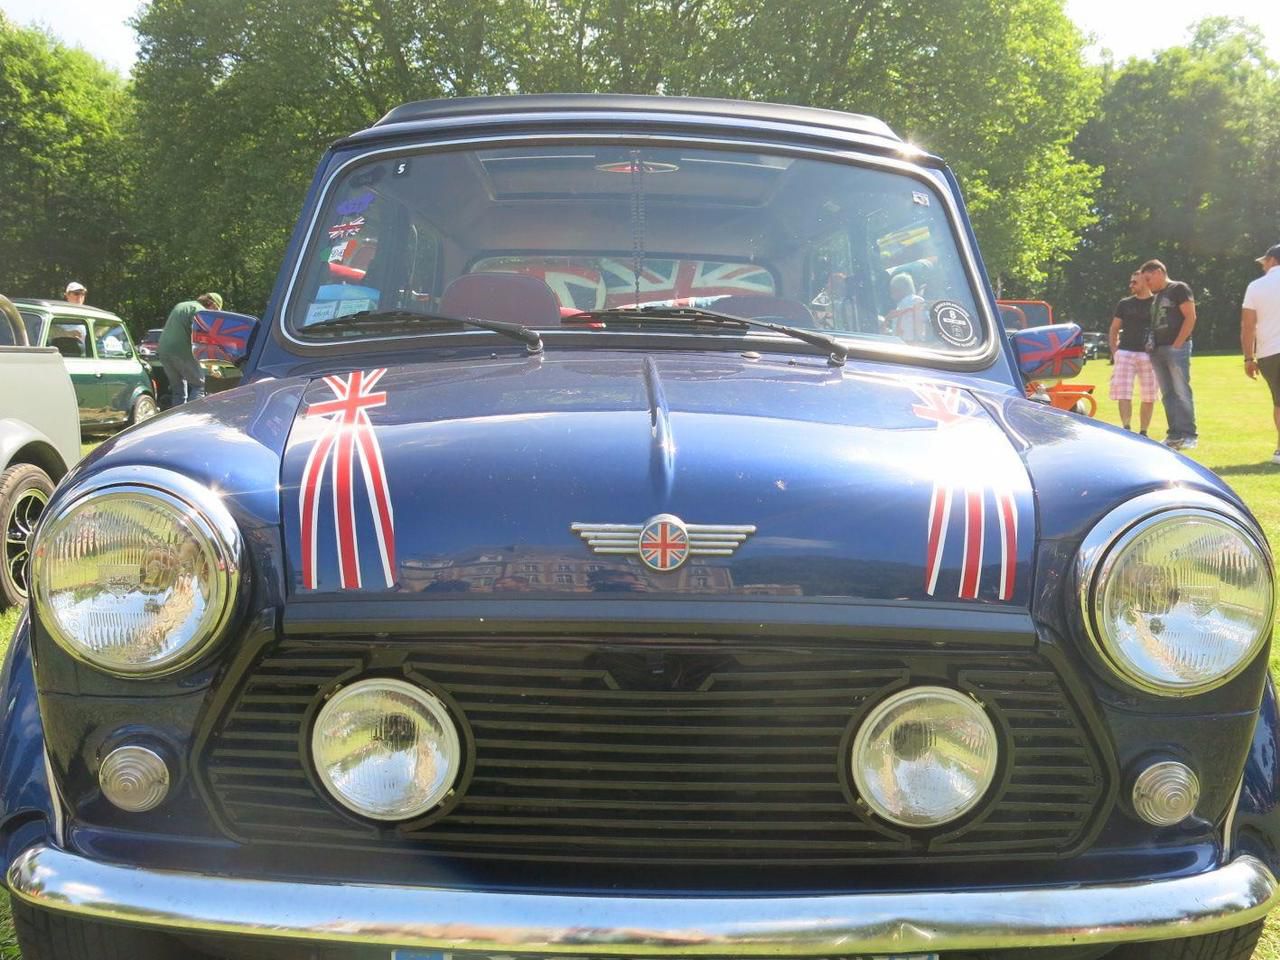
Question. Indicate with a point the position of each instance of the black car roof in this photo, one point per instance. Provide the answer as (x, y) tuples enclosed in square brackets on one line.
[(632, 110)]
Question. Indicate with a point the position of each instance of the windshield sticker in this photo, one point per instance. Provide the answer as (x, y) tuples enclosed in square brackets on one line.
[(340, 251), (962, 431), (341, 231), (348, 307), (357, 204), (320, 311), (953, 323), (401, 168), (920, 198)]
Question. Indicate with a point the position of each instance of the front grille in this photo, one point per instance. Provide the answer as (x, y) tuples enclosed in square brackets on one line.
[(609, 753)]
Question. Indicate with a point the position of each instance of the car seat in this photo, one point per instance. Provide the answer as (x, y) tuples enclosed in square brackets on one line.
[(68, 346), (510, 297)]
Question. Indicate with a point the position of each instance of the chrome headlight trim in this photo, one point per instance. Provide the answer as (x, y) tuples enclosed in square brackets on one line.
[(202, 507), (1104, 544)]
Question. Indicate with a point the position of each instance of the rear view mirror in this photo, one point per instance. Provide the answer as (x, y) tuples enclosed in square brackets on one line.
[(1049, 353), (222, 335)]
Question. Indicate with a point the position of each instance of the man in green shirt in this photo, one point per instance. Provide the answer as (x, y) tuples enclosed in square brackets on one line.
[(186, 376)]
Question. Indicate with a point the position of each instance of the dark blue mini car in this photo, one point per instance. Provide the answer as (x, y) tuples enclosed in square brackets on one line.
[(632, 539)]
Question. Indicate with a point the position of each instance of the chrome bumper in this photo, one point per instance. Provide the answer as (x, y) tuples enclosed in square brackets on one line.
[(436, 918)]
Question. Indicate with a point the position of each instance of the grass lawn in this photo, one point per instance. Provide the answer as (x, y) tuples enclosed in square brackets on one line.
[(1237, 438)]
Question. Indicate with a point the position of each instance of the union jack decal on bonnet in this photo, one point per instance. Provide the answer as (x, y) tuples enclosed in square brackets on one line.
[(663, 542), (347, 437), (977, 480)]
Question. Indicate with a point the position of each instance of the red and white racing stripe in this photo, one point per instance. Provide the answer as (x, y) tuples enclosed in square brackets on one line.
[(949, 408), (347, 437)]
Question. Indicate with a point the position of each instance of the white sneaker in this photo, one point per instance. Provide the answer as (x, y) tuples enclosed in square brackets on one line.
[(1276, 457), (1188, 444)]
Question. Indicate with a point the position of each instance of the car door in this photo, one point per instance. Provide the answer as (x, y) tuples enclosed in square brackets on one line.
[(118, 369), (70, 336)]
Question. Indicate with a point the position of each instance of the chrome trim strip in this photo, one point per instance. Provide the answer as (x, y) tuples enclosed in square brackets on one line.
[(630, 130), (55, 800), (1229, 824), (434, 918), (1098, 547)]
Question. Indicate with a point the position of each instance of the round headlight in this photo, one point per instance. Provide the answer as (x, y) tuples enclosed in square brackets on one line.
[(135, 579), (386, 749), (1178, 602), (924, 756)]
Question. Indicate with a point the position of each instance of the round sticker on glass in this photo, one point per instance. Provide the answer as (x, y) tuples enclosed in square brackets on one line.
[(953, 323)]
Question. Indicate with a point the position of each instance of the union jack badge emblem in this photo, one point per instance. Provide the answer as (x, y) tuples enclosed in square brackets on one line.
[(663, 542)]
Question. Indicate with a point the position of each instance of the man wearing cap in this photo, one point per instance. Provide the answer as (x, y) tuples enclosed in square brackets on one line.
[(1260, 332), (186, 376), (75, 292), (1173, 317)]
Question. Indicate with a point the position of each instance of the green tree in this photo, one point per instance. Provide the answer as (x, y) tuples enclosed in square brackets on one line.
[(1190, 149), (237, 100), (65, 167)]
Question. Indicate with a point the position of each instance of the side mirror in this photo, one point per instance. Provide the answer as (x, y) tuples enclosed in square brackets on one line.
[(222, 335), (1049, 353)]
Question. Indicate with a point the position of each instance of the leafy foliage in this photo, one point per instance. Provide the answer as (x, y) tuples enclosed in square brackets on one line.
[(64, 166), (190, 178), (236, 100), (1190, 145)]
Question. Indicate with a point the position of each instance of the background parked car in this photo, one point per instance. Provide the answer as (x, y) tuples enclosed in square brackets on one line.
[(39, 441), (149, 345), (1096, 345), (113, 386)]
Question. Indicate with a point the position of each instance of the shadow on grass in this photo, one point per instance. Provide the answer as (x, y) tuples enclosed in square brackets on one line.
[(1263, 469)]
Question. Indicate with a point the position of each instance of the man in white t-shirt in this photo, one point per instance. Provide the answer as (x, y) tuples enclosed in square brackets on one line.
[(1260, 332)]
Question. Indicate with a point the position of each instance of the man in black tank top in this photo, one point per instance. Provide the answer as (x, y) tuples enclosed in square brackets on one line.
[(1130, 350)]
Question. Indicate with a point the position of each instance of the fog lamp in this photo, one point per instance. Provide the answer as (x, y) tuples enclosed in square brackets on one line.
[(924, 756), (134, 778), (386, 749), (1166, 793)]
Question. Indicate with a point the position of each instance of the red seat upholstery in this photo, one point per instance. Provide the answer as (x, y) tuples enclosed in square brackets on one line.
[(758, 305), (510, 297)]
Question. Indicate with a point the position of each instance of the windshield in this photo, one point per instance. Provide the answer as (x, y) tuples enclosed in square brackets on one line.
[(35, 327), (536, 235)]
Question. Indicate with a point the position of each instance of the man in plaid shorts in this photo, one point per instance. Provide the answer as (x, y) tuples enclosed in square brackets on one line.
[(1130, 348)]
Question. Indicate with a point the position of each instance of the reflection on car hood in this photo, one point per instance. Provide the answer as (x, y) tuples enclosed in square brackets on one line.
[(449, 478)]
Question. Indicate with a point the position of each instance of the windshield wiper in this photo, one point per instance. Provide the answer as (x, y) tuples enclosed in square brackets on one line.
[(837, 353), (407, 319)]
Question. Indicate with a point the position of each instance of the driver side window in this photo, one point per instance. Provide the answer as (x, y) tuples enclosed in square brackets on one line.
[(111, 340)]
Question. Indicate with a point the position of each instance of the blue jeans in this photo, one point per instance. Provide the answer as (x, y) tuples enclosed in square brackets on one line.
[(186, 378), (1172, 366)]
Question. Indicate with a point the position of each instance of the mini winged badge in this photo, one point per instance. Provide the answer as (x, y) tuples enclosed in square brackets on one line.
[(664, 542)]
